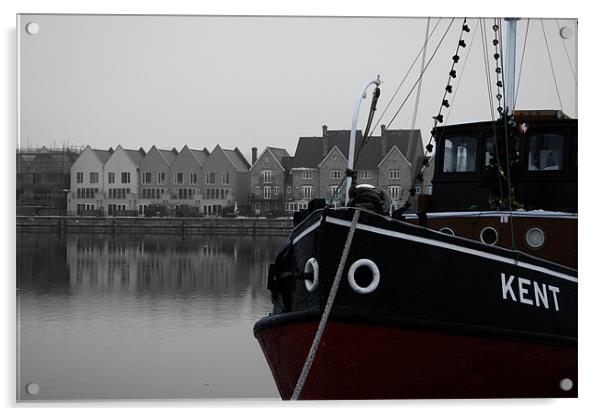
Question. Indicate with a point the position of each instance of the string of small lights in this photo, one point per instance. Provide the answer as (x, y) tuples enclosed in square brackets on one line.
[(439, 117)]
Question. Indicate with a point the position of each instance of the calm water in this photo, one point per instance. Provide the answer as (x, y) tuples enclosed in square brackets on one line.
[(141, 317)]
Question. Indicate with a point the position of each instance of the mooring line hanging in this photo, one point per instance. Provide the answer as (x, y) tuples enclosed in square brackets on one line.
[(331, 296)]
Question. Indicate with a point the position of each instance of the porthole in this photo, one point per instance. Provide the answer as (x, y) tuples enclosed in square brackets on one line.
[(489, 235), (535, 238), (447, 230)]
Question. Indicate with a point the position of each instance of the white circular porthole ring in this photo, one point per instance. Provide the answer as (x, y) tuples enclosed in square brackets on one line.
[(447, 230), (484, 230), (375, 276), (535, 238), (311, 266)]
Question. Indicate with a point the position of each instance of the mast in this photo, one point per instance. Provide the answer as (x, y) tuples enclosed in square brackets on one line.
[(351, 155), (510, 70)]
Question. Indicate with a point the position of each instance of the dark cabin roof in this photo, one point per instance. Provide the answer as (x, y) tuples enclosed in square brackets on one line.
[(309, 152)]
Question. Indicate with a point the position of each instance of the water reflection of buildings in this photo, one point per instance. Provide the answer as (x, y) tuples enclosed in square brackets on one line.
[(220, 266)]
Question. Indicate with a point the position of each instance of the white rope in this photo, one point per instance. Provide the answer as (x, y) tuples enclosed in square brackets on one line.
[(322, 325)]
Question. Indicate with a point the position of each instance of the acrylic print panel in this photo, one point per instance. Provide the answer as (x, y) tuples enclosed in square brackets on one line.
[(185, 229)]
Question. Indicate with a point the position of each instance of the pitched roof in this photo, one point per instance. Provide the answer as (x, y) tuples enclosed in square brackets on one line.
[(168, 155), (200, 155), (309, 152), (237, 159), (135, 155), (373, 154), (278, 153), (103, 155)]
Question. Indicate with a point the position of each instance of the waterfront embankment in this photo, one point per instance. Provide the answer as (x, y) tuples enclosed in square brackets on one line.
[(151, 225)]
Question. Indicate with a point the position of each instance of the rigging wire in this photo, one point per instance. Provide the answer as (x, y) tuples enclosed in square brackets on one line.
[(425, 160), (422, 74), (405, 76), (567, 54), (413, 125), (522, 59), (551, 64)]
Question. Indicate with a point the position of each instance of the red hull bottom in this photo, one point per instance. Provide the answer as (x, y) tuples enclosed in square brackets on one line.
[(370, 362)]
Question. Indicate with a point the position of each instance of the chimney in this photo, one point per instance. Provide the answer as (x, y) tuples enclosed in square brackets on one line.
[(253, 155), (383, 140), (324, 140)]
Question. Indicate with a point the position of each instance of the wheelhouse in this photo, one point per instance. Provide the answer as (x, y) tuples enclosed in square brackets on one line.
[(544, 174)]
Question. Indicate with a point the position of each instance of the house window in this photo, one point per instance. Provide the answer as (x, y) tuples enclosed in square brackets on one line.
[(289, 189), (210, 179), (80, 177), (545, 152), (146, 178), (93, 177), (258, 190), (160, 178), (111, 177), (276, 191), (125, 177), (225, 178), (332, 189), (267, 176), (308, 174), (267, 192), (335, 174), (460, 154), (178, 178), (394, 174), (193, 178), (366, 174), (307, 191), (394, 191)]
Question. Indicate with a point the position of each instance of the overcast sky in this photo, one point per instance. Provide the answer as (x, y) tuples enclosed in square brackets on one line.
[(258, 81)]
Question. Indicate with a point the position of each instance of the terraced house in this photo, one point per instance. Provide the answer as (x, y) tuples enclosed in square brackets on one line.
[(121, 180), (318, 167), (186, 177), (227, 181), (390, 161), (155, 174), (88, 182), (268, 176)]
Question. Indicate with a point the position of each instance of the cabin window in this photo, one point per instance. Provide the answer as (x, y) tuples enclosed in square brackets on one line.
[(460, 154), (545, 152)]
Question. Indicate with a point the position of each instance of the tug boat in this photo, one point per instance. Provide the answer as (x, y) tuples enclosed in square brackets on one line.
[(465, 298)]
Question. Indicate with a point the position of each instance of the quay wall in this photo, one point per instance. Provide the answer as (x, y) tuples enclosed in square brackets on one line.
[(154, 225)]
